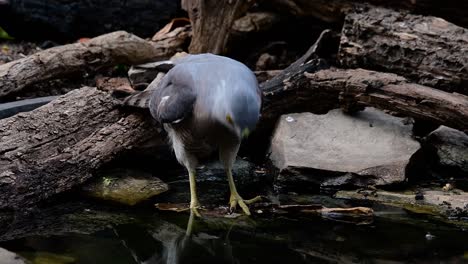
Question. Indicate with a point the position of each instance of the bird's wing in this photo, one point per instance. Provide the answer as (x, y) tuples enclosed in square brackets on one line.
[(174, 98)]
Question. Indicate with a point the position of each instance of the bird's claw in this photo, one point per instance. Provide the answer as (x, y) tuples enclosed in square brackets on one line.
[(194, 207), (194, 210), (237, 199)]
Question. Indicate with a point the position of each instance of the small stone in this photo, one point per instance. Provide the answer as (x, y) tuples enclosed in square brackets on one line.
[(126, 187), (447, 187), (419, 196), (429, 236)]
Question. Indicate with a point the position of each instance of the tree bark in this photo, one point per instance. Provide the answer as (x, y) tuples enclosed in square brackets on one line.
[(212, 21), (427, 50), (394, 93), (319, 91), (60, 145), (103, 51)]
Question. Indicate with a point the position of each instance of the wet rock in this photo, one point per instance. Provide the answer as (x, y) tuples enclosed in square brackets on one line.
[(452, 205), (335, 149), (10, 109), (125, 186), (451, 147), (7, 257), (51, 258)]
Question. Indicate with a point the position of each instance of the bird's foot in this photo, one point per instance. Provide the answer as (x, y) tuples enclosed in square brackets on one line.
[(194, 206), (236, 199)]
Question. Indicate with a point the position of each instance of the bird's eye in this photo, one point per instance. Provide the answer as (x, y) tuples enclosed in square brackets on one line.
[(229, 119)]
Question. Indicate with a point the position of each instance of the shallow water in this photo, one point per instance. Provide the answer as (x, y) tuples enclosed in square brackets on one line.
[(103, 235)]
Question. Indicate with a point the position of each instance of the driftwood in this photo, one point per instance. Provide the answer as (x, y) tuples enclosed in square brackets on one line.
[(60, 145), (391, 92), (427, 50), (104, 51), (321, 91), (212, 21)]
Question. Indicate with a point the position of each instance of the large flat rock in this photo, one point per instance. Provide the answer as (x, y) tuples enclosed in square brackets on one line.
[(335, 148)]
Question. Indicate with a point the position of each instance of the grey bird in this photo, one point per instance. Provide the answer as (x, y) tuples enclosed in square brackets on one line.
[(207, 103)]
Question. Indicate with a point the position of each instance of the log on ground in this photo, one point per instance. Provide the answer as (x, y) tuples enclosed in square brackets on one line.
[(323, 90), (107, 50), (427, 50), (59, 145)]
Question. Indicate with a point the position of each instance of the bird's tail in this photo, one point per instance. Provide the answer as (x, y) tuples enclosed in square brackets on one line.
[(139, 99)]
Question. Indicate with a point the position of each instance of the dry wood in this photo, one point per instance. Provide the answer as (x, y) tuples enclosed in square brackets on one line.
[(392, 92), (59, 145), (212, 21), (103, 51), (427, 50), (324, 90)]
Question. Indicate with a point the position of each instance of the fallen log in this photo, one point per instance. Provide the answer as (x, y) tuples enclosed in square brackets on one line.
[(394, 93), (103, 51), (427, 50), (60, 145), (321, 91)]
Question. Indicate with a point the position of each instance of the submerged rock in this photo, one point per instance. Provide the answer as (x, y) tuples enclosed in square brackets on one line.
[(7, 257), (127, 187), (450, 205), (336, 149), (451, 147)]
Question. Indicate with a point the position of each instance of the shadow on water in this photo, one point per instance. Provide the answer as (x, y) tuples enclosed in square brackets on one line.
[(107, 235)]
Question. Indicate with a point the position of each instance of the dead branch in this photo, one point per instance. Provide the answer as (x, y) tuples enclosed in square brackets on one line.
[(426, 50), (103, 51)]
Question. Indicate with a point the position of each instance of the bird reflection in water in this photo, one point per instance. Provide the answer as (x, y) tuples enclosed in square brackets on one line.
[(170, 244)]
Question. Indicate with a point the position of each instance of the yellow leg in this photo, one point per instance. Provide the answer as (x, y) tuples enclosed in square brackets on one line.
[(236, 199), (189, 230), (194, 205)]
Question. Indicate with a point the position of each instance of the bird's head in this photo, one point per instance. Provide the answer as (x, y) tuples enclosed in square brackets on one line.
[(242, 113)]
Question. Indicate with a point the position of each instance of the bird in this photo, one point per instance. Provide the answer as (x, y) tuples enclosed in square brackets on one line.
[(206, 103)]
